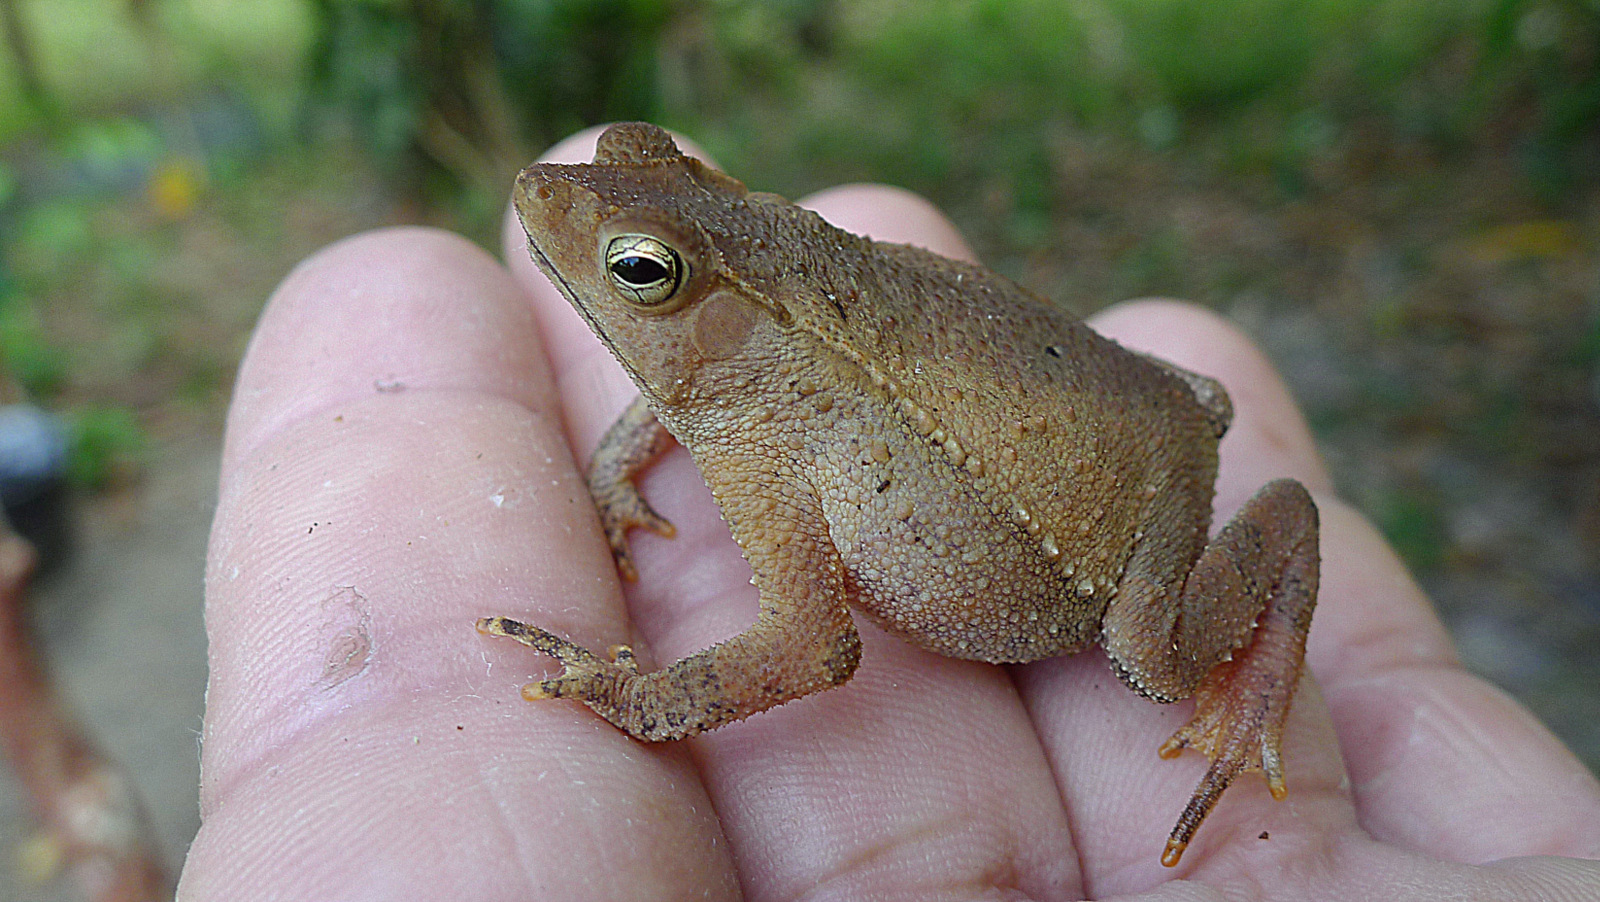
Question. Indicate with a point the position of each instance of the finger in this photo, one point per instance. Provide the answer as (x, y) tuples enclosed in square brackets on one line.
[(1439, 761), (1101, 738), (917, 760), (887, 213), (394, 471)]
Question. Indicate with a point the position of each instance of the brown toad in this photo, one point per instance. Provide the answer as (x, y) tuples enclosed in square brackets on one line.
[(918, 439)]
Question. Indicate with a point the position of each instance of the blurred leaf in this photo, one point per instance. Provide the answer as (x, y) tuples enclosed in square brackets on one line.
[(24, 352), (106, 443)]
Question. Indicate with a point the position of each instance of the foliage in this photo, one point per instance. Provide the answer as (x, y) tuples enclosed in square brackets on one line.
[(466, 84), (106, 443), (28, 357), (570, 63), (931, 95)]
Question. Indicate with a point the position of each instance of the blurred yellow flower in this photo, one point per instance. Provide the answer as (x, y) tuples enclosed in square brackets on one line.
[(175, 187)]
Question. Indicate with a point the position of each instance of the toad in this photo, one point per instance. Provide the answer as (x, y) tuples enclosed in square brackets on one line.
[(919, 440)]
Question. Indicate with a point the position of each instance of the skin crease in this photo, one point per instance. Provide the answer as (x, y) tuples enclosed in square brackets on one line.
[(400, 460)]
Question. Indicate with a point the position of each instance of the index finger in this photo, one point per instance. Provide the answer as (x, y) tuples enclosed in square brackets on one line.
[(1439, 761), (394, 470)]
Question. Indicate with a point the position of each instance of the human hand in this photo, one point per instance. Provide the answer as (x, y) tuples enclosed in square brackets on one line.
[(400, 461)]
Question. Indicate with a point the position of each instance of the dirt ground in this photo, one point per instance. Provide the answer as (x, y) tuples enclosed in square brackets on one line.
[(122, 628)]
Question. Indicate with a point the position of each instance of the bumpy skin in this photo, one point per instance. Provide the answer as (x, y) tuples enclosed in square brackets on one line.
[(921, 440)]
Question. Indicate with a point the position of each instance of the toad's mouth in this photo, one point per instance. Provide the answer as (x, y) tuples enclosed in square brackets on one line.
[(542, 260)]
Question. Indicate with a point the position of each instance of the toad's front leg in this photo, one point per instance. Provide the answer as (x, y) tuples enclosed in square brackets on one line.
[(803, 640), (1235, 640), (631, 444)]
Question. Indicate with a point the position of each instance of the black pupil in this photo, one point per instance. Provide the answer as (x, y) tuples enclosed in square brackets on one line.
[(637, 270)]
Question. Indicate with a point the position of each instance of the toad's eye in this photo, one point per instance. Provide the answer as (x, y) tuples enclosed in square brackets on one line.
[(644, 268)]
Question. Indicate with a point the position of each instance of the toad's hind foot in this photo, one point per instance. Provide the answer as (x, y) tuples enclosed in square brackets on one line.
[(1240, 713), (586, 677), (1265, 559), (1240, 729)]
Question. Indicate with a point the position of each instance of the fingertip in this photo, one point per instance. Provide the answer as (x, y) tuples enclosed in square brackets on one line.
[(577, 147), (380, 312)]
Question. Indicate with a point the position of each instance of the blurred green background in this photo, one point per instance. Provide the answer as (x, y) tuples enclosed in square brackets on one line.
[(1398, 198)]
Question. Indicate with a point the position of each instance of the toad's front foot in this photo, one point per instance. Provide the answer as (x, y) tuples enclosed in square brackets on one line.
[(622, 508), (586, 677), (632, 442)]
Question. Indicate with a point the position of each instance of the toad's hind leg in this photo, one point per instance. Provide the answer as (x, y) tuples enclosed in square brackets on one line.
[(1237, 642)]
